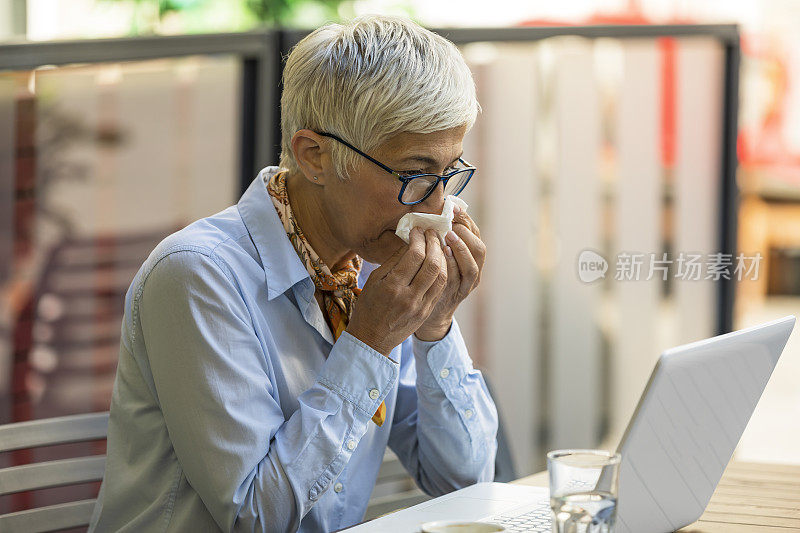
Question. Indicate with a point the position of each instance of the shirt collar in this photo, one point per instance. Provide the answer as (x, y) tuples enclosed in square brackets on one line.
[(282, 266)]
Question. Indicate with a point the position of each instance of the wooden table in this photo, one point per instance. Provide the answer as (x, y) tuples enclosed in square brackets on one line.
[(751, 498)]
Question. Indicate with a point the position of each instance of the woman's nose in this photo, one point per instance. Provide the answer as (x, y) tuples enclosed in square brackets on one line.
[(434, 203)]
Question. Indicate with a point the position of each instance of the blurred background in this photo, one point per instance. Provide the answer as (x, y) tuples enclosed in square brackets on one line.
[(650, 132)]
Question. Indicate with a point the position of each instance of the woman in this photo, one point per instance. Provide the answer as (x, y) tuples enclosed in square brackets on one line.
[(258, 386)]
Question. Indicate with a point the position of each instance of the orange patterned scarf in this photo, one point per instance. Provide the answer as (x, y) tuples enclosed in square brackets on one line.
[(339, 289)]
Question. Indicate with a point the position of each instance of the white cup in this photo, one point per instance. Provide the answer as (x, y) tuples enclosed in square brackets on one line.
[(460, 526)]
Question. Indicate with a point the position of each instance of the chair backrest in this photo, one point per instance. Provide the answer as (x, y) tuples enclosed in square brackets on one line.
[(394, 489), (72, 333), (48, 432)]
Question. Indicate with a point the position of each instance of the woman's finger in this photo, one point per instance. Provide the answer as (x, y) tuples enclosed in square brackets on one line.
[(432, 267), (387, 266), (411, 261), (461, 217), (467, 265), (476, 246), (440, 284), (453, 275)]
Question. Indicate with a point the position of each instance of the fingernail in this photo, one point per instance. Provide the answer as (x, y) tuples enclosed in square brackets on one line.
[(456, 209), (452, 238), (448, 251)]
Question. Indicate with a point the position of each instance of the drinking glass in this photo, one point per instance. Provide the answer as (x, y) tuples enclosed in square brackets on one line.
[(583, 490)]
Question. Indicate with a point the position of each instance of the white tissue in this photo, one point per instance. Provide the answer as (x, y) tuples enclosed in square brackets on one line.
[(441, 223)]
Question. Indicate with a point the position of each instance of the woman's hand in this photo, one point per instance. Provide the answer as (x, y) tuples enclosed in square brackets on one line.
[(464, 269), (400, 294)]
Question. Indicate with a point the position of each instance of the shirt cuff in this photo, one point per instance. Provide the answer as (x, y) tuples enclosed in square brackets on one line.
[(443, 362), (358, 373)]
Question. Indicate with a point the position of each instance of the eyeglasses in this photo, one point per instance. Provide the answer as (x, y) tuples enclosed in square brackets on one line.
[(417, 187)]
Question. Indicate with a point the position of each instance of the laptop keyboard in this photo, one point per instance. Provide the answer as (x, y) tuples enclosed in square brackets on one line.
[(537, 520)]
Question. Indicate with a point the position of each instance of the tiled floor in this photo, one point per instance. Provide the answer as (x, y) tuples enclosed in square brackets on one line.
[(773, 434)]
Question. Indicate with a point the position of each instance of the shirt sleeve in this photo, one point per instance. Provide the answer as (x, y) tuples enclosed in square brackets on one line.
[(445, 422), (253, 469)]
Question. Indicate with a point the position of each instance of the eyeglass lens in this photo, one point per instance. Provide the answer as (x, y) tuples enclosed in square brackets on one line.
[(417, 188)]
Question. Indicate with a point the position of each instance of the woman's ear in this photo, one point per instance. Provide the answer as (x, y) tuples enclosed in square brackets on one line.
[(312, 155)]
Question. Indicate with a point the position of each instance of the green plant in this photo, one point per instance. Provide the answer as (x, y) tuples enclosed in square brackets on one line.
[(281, 12), (227, 15)]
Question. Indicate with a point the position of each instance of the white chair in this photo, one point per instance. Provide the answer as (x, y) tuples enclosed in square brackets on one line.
[(394, 489), (48, 432)]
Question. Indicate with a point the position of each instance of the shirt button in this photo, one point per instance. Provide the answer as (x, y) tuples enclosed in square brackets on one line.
[(444, 373), (468, 413), (338, 487), (374, 393), (351, 445)]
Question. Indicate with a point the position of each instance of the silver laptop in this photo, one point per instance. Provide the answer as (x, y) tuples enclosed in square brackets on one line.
[(678, 442)]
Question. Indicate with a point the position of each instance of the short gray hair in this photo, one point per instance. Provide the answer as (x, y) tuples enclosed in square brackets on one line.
[(370, 79)]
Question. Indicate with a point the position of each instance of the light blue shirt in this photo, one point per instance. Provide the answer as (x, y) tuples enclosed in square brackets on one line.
[(234, 409)]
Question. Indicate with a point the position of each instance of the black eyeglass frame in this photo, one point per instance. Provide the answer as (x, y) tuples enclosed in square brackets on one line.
[(407, 179)]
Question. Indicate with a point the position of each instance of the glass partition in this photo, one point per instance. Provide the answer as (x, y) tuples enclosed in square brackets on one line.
[(101, 161), (600, 174)]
